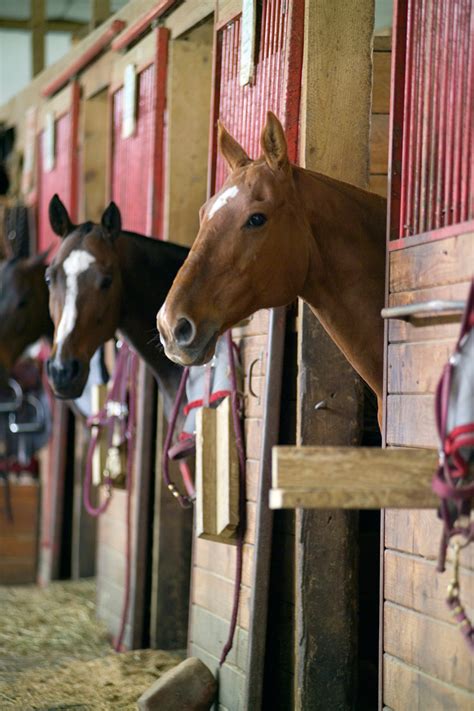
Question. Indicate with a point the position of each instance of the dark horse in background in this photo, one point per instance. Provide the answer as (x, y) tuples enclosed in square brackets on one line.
[(105, 279)]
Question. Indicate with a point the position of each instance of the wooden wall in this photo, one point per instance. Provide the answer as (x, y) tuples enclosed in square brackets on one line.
[(19, 538), (382, 57), (426, 661)]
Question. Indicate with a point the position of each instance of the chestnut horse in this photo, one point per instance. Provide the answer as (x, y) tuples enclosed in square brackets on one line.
[(101, 280), (24, 313), (274, 232)]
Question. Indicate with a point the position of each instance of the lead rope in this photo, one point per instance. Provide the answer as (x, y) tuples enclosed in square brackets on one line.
[(115, 409), (186, 501)]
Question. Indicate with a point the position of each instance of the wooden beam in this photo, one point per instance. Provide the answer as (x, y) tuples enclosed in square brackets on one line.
[(37, 13), (49, 25), (352, 478), (100, 11), (335, 122)]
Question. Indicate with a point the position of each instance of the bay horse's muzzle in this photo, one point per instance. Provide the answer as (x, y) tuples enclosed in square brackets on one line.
[(67, 378)]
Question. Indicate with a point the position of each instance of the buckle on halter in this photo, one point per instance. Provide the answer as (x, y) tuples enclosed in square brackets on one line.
[(116, 409)]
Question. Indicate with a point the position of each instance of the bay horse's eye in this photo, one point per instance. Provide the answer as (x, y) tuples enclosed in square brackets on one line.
[(47, 278), (22, 303), (256, 220), (106, 282)]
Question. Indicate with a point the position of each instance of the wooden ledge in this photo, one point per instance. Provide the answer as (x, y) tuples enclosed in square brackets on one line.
[(352, 478)]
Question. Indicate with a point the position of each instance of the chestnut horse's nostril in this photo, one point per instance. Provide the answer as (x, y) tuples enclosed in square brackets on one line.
[(184, 332)]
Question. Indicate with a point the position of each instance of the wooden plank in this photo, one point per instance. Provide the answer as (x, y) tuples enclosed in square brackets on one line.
[(206, 473), (410, 421), (100, 11), (348, 477), (378, 184), (188, 15), (433, 264), (414, 583), (437, 648), (419, 532), (255, 325), (84, 526), (221, 559), (189, 84), (381, 82), (417, 367), (379, 143), (216, 595), (37, 14), (253, 348), (427, 329), (210, 632), (227, 470), (252, 467), (383, 43), (409, 688), (95, 141), (253, 437)]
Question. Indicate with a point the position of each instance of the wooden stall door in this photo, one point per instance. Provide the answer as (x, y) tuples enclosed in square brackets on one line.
[(56, 173), (243, 109), (426, 663), (136, 179)]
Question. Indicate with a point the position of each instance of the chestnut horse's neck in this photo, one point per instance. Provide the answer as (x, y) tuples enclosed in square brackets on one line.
[(148, 268), (345, 284)]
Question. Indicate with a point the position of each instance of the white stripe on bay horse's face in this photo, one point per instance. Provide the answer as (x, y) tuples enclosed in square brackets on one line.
[(77, 262), (222, 199)]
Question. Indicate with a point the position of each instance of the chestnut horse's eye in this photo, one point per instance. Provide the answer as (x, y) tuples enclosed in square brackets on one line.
[(106, 282), (256, 220)]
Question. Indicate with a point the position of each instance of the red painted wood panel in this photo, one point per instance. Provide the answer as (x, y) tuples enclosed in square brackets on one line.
[(432, 118)]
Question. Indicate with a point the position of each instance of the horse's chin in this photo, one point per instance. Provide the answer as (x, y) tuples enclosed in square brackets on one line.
[(70, 392), (194, 356)]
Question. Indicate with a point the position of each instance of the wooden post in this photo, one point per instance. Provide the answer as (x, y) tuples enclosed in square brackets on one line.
[(100, 11), (37, 13), (335, 114)]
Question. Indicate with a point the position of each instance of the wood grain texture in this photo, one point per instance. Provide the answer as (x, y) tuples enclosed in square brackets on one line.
[(206, 473), (379, 143), (433, 264), (417, 367), (378, 183), (414, 583), (419, 532), (227, 471), (427, 329), (215, 594), (221, 559), (381, 87), (347, 477), (410, 421), (19, 539), (231, 679), (210, 632), (408, 688), (435, 647)]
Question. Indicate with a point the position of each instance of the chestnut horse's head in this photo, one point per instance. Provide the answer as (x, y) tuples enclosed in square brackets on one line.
[(85, 294), (251, 252), (24, 315)]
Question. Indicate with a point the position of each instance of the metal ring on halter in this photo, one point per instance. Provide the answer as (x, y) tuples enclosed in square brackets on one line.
[(250, 376), (15, 404)]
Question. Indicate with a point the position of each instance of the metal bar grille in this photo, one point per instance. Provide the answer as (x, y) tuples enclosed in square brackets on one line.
[(58, 180), (243, 108), (436, 124), (132, 157)]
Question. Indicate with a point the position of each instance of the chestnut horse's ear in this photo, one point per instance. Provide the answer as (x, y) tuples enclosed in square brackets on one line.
[(230, 149), (59, 218), (112, 222), (273, 142)]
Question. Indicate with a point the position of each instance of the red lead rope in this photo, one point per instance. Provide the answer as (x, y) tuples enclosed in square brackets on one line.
[(116, 411)]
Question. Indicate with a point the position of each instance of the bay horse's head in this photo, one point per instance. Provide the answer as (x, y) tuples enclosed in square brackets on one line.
[(24, 315), (85, 293), (251, 252)]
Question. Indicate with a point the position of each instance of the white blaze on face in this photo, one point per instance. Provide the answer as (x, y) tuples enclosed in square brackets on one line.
[(76, 263), (222, 200)]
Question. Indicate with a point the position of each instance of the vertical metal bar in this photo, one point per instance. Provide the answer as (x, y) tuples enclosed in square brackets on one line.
[(407, 113), (426, 118), (215, 102), (418, 117), (467, 149), (444, 89), (434, 112), (459, 109), (74, 150), (450, 109), (157, 119)]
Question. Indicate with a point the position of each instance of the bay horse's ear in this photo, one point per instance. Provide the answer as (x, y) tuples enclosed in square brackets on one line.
[(230, 149), (40, 258), (59, 218), (273, 142), (112, 222)]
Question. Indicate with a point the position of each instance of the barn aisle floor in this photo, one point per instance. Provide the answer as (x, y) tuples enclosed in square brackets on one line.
[(54, 654)]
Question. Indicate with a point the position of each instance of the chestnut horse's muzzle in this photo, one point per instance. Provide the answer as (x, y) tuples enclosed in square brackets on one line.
[(67, 378), (185, 343)]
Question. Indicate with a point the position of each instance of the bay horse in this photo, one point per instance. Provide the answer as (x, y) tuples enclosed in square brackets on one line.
[(274, 232), (103, 279), (24, 312)]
